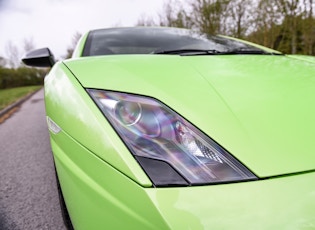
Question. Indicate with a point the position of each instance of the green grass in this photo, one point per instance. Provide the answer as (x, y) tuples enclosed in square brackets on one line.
[(8, 96)]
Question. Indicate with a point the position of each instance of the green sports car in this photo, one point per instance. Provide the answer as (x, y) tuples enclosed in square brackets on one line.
[(167, 128)]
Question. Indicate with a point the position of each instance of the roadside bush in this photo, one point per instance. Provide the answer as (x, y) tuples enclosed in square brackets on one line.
[(23, 76)]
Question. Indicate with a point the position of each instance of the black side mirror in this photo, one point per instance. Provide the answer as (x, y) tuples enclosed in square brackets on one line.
[(39, 58)]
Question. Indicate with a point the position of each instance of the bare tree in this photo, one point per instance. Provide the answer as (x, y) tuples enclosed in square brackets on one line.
[(70, 49), (286, 25), (174, 15), (145, 20), (239, 17), (309, 28), (28, 44), (290, 9), (266, 17), (13, 55), (210, 16), (3, 62)]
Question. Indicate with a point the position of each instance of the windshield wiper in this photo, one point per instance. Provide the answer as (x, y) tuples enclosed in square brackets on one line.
[(196, 52), (187, 52), (247, 51)]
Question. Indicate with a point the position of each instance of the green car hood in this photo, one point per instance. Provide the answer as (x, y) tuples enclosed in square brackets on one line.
[(258, 107)]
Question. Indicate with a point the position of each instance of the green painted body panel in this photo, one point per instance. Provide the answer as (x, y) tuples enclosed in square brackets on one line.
[(98, 196), (258, 107), (69, 106), (281, 203), (78, 51)]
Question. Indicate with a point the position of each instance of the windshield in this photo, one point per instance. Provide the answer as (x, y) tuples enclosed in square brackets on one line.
[(146, 40)]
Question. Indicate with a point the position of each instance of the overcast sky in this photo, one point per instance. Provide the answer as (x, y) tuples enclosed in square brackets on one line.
[(52, 23)]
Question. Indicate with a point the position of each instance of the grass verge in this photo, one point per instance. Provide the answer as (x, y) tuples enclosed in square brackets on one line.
[(9, 96)]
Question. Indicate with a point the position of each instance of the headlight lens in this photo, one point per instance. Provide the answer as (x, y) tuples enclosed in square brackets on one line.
[(170, 149)]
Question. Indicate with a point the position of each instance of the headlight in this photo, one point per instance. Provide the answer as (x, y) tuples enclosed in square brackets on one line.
[(170, 149)]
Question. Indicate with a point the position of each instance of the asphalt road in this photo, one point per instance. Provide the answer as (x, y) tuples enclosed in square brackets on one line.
[(28, 192)]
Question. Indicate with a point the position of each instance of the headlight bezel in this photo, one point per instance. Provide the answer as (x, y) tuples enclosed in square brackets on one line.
[(107, 102)]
